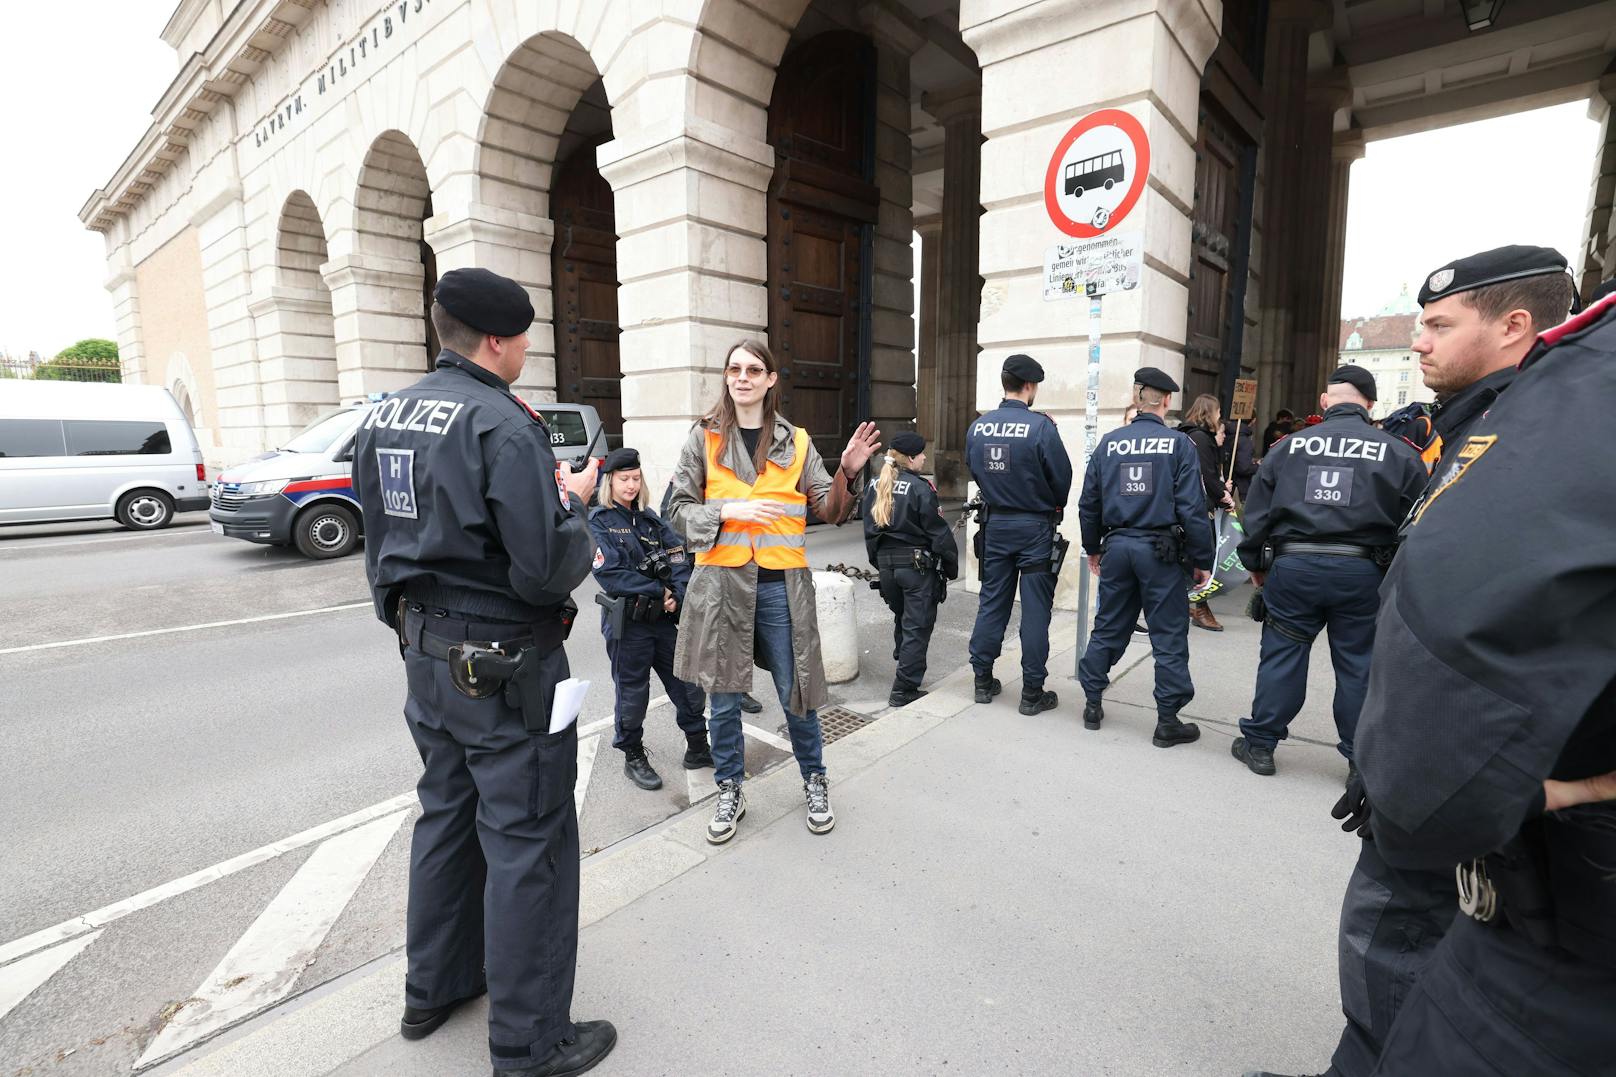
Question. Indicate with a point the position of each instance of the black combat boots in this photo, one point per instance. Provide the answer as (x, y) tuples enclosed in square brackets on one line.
[(638, 768), (697, 753), (987, 686), (1171, 731), (903, 695), (591, 1041), (1257, 760), (1093, 714), (1037, 700)]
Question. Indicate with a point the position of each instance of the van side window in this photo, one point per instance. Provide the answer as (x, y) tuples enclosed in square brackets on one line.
[(31, 437), (91, 437)]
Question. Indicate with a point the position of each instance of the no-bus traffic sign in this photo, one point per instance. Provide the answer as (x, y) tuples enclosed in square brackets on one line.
[(1097, 173)]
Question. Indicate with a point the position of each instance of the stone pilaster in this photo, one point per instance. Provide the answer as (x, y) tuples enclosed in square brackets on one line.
[(1598, 261), (220, 223), (1315, 292), (376, 314), (1346, 147), (1143, 57), (959, 280), (931, 402), (515, 245), (297, 359), (126, 315)]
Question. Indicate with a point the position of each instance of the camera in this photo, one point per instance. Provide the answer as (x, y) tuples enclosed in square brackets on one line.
[(657, 566)]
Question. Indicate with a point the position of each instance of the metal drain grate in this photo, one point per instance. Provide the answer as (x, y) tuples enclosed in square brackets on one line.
[(835, 723)]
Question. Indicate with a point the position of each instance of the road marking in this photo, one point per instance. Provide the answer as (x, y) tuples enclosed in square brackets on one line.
[(181, 628), (18, 981), (586, 766), (766, 737), (199, 533), (264, 965), (699, 785), (101, 917)]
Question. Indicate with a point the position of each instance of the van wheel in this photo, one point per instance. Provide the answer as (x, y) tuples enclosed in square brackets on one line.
[(326, 531), (145, 510)]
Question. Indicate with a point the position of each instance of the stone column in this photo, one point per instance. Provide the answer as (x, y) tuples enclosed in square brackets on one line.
[(930, 400), (297, 359), (222, 235), (1043, 66), (690, 199), (126, 310), (1347, 147), (515, 245), (1598, 261), (898, 35), (1314, 291), (1284, 210), (376, 312), (959, 282)]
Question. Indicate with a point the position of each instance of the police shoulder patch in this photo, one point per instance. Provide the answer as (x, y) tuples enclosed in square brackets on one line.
[(600, 557), (1468, 454)]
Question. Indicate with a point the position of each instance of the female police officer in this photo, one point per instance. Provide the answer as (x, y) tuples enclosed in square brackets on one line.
[(913, 548), (643, 570)]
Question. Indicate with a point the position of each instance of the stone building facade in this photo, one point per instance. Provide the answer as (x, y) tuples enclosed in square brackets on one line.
[(669, 176)]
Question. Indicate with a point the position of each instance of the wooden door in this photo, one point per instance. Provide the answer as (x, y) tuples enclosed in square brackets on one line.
[(822, 209), (584, 283), (429, 284), (1212, 236)]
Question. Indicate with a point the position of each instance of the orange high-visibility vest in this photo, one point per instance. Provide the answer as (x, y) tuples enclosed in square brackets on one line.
[(781, 544)]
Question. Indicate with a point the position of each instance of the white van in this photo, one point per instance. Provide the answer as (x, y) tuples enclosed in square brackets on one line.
[(78, 451)]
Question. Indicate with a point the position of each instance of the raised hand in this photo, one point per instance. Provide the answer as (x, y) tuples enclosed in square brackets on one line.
[(865, 443)]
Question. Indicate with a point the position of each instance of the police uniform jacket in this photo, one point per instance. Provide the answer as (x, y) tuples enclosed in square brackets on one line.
[(623, 540), (917, 521), (1496, 640), (1017, 459), (1341, 480), (1145, 478), (461, 503), (1455, 415)]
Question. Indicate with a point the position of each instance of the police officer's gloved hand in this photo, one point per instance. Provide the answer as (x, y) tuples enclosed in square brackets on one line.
[(1353, 807), (1257, 607)]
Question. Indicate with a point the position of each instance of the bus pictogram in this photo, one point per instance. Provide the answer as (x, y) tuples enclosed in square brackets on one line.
[(1104, 171)]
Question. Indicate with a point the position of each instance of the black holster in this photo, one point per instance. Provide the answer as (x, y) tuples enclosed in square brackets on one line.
[(1057, 552), (1169, 546), (979, 541), (616, 613), (1556, 882), (530, 688)]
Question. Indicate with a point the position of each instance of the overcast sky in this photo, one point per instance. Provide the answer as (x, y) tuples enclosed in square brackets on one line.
[(79, 79)]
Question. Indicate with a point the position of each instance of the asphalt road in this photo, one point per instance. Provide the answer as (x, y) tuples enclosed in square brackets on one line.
[(174, 700)]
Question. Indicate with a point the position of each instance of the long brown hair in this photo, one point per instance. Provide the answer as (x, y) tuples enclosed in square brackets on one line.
[(1204, 412), (721, 416)]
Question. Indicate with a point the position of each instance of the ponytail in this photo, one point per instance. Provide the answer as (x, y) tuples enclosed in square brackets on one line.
[(881, 510)]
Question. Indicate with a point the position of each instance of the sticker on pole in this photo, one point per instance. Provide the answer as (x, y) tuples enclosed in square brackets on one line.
[(1094, 267), (1097, 173)]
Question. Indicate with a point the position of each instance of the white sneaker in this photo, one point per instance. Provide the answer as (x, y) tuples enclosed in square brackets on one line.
[(817, 792), (731, 810)]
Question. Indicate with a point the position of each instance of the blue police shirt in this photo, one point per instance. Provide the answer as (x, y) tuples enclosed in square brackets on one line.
[(1145, 476), (623, 539), (1016, 458)]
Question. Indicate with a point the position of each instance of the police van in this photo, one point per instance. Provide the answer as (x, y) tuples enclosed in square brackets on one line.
[(302, 494), (76, 451)]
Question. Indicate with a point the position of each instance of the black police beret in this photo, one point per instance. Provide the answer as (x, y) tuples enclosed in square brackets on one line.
[(1491, 267), (1355, 376), (1024, 367), (624, 459), (486, 301), (1152, 378), (909, 443)]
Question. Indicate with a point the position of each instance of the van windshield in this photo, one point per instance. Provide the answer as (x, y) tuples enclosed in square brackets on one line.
[(326, 431)]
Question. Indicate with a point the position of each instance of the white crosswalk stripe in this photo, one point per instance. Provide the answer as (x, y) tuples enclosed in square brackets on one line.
[(587, 748), (265, 963), (19, 979)]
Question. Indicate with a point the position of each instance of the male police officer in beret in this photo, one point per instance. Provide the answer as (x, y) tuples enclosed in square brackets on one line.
[(1320, 522), (474, 541), (1146, 533), (1016, 458), (1482, 314), (1488, 737), (643, 570)]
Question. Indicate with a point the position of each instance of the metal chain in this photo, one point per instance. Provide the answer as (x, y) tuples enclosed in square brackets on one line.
[(853, 572)]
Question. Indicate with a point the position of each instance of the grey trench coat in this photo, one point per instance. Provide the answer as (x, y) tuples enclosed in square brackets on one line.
[(720, 612)]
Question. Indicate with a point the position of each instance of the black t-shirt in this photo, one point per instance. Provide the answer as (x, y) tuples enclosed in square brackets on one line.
[(749, 438)]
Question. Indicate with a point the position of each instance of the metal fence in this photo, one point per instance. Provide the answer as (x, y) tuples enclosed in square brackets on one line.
[(59, 370)]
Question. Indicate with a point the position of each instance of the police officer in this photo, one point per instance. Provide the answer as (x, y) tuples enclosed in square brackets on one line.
[(474, 540), (1488, 737), (1481, 316), (912, 547), (642, 569), (1016, 458), (1146, 533), (1320, 523)]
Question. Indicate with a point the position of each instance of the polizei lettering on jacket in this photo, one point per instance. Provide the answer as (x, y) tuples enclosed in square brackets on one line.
[(1339, 448), (1140, 446), (986, 429), (427, 416)]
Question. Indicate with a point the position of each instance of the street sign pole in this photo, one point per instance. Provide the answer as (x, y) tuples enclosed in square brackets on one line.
[(1091, 435)]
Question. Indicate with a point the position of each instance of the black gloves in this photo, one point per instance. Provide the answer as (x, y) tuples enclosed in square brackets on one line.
[(1353, 807), (1257, 607)]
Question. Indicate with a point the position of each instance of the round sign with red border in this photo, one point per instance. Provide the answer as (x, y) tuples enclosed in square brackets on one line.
[(1097, 173)]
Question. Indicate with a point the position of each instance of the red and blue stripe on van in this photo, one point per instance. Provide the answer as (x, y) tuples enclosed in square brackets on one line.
[(307, 489)]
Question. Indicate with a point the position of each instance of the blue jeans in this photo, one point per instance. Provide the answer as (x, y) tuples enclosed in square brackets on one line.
[(773, 644), (1307, 594)]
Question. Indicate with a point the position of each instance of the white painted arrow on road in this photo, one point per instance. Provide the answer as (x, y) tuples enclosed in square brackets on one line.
[(19, 979)]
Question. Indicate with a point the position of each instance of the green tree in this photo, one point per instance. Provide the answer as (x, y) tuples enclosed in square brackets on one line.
[(89, 348), (91, 359)]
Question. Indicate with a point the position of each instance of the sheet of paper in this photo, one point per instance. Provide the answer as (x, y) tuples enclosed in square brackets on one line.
[(568, 701)]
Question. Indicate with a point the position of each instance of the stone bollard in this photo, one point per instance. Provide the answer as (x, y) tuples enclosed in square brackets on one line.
[(838, 626)]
